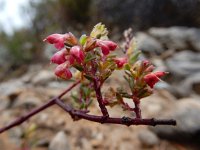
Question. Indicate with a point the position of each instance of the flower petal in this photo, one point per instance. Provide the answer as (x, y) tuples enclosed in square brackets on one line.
[(62, 71), (121, 61), (57, 39), (59, 57), (106, 46), (77, 53), (152, 78)]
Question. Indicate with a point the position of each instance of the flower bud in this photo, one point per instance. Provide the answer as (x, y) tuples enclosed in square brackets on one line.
[(120, 61), (106, 46), (57, 39), (146, 63), (150, 68), (112, 46), (105, 49), (159, 74), (63, 71), (59, 57), (71, 39), (77, 53), (152, 78), (90, 44), (70, 59)]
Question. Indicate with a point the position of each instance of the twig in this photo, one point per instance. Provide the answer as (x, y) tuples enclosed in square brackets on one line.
[(77, 114), (97, 88), (137, 109), (37, 110), (100, 99)]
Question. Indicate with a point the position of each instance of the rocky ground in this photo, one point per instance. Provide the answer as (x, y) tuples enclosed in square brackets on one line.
[(175, 50)]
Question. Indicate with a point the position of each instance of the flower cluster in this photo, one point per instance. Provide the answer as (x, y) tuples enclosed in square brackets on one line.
[(71, 52), (91, 56), (142, 79)]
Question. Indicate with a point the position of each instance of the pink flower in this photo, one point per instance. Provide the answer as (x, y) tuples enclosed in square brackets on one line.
[(77, 53), (70, 59), (63, 71), (146, 63), (152, 78), (59, 57), (57, 39), (150, 68), (121, 61), (106, 46)]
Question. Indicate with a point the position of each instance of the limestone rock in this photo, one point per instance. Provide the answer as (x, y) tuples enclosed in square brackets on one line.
[(148, 44), (43, 77), (148, 138), (59, 142), (178, 38), (184, 63), (186, 113)]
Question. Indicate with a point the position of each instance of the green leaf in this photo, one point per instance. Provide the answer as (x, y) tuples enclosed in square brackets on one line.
[(83, 39), (128, 73), (89, 57), (134, 57), (89, 77), (86, 91), (132, 47), (99, 31), (78, 67), (131, 83), (130, 80), (127, 67), (126, 78), (89, 103), (83, 105), (75, 98)]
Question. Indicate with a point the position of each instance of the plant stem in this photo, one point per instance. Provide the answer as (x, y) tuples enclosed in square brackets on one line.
[(37, 110), (77, 114), (97, 88), (100, 99), (137, 109)]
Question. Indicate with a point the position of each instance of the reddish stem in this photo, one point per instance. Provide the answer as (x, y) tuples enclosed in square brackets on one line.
[(77, 114), (137, 109), (97, 89)]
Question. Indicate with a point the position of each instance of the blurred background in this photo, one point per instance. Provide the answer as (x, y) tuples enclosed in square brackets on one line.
[(168, 33)]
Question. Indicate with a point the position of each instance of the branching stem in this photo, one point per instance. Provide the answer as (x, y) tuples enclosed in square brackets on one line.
[(137, 109), (100, 99), (77, 114)]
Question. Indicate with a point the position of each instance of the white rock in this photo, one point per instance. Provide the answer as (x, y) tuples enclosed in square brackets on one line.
[(43, 77), (186, 113), (59, 142), (148, 138), (148, 44)]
